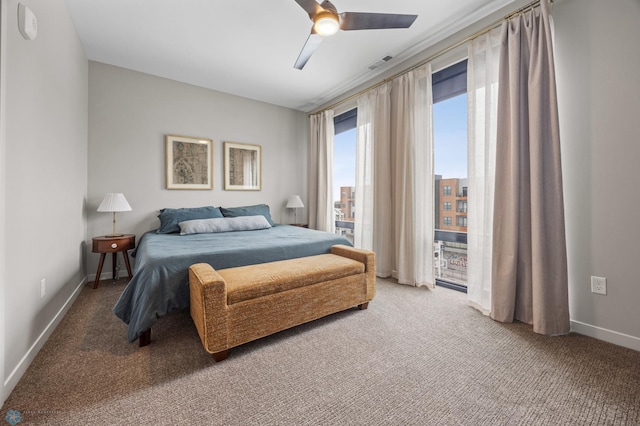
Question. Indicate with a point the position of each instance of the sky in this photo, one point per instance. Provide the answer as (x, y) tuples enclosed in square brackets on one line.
[(450, 145), (344, 161)]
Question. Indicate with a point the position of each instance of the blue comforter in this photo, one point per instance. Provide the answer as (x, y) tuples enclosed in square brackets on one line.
[(160, 281)]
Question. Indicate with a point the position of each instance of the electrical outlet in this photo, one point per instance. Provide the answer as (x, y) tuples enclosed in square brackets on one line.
[(598, 285), (43, 287)]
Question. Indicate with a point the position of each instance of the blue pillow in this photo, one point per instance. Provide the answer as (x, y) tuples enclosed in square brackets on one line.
[(258, 209), (169, 218)]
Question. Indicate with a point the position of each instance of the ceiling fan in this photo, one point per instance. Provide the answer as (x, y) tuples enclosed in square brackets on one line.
[(327, 21)]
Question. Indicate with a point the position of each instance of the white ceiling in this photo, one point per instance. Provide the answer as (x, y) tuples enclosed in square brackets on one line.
[(248, 47)]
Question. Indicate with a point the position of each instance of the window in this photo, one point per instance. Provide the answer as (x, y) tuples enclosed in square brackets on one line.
[(450, 162), (344, 171)]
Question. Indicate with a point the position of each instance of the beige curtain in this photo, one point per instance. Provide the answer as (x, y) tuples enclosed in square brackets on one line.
[(394, 177), (412, 177), (320, 189), (373, 177), (529, 251), (482, 91)]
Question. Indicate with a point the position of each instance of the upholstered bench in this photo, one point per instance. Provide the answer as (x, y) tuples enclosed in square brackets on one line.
[(234, 306)]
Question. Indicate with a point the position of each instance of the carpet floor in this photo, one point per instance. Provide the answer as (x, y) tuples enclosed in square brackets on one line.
[(415, 357)]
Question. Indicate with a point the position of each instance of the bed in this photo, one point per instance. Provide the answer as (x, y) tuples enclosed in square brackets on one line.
[(160, 281)]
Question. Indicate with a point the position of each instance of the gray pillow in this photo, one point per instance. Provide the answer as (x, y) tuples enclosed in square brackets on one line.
[(223, 224)]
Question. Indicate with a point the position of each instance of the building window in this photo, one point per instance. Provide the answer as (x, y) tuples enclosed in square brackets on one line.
[(446, 206), (461, 206), (446, 190), (461, 220), (446, 220)]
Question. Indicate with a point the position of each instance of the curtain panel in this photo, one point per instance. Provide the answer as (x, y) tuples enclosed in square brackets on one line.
[(482, 91), (529, 249), (412, 177), (373, 177), (394, 182), (321, 215)]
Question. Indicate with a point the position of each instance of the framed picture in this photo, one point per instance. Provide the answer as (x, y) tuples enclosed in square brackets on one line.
[(242, 167), (189, 162)]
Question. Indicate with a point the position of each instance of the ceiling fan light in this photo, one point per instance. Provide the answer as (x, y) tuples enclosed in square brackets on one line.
[(326, 24)]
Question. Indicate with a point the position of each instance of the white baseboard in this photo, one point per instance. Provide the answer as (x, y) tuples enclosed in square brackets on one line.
[(610, 336), (17, 373), (108, 275)]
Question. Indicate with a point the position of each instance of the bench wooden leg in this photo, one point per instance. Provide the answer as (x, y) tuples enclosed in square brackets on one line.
[(363, 306), (221, 356), (145, 338)]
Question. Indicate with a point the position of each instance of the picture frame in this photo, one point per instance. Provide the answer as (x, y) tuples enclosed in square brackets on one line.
[(242, 167), (189, 162)]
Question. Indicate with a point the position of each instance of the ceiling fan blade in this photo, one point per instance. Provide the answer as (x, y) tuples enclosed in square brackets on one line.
[(374, 21), (309, 47), (310, 6)]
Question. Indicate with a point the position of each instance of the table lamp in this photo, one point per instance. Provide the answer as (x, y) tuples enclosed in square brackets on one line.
[(295, 203), (114, 202)]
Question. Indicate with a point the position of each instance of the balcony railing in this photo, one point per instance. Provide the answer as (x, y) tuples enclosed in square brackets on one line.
[(450, 255), (345, 228), (450, 259)]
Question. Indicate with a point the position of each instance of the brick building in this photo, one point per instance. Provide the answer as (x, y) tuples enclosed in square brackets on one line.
[(451, 202)]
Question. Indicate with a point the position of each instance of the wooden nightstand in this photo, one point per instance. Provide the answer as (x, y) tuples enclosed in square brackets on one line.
[(106, 244)]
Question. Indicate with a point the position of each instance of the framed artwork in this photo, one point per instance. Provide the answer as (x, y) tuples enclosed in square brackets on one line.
[(189, 162), (242, 167)]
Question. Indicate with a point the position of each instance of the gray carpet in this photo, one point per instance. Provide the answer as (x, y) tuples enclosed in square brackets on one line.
[(415, 357)]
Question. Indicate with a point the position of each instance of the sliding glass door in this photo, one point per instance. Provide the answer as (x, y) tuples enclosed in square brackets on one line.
[(344, 172), (450, 165)]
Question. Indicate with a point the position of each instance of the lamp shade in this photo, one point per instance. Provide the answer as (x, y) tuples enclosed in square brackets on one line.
[(294, 202), (114, 202)]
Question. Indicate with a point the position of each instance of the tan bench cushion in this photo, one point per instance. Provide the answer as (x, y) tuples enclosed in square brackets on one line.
[(253, 281)]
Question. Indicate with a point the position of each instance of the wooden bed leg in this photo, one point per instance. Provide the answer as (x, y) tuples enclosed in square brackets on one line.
[(221, 356), (363, 306), (145, 337)]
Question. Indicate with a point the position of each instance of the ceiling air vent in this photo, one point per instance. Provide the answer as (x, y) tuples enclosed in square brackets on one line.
[(380, 62)]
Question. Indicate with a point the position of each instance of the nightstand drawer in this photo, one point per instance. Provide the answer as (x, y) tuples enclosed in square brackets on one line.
[(113, 244)]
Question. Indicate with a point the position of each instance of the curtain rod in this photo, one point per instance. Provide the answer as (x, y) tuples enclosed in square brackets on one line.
[(491, 27)]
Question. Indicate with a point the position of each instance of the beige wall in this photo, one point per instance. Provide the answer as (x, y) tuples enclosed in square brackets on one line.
[(45, 175), (129, 115), (3, 234), (597, 59)]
